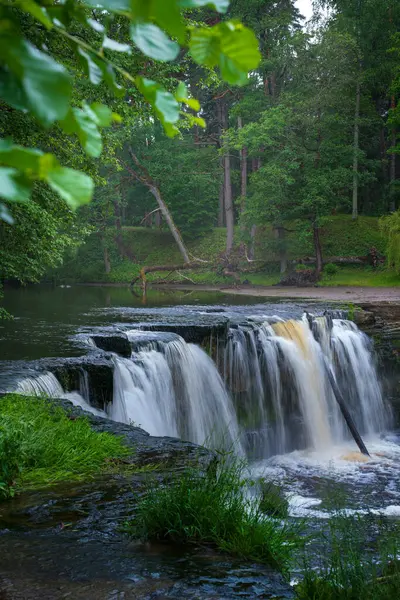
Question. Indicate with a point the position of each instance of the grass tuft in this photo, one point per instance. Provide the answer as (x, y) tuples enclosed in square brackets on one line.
[(215, 508), (41, 444)]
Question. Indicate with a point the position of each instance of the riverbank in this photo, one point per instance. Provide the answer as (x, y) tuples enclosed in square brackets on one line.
[(355, 295)]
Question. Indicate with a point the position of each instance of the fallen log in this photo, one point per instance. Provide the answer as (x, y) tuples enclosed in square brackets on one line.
[(155, 268), (345, 412)]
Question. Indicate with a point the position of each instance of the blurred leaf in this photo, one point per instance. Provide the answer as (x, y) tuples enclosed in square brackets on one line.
[(39, 12), (74, 187), (181, 95), (43, 85), (84, 125), (5, 214), (230, 45), (14, 187), (153, 42), (116, 46)]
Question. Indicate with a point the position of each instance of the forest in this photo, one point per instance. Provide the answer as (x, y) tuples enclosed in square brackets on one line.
[(266, 155)]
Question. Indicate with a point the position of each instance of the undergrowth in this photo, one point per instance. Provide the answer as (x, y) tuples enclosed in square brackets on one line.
[(41, 444), (215, 508)]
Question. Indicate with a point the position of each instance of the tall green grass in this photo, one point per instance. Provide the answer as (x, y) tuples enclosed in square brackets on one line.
[(40, 444), (356, 558), (215, 508)]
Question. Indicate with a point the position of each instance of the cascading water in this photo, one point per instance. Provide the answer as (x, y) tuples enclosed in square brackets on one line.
[(176, 391), (47, 384), (290, 385), (274, 395)]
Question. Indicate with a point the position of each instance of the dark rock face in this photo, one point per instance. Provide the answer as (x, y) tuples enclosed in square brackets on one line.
[(97, 367), (193, 333), (113, 342), (146, 449)]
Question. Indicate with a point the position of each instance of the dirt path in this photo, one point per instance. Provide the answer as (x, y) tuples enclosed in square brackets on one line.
[(357, 295)]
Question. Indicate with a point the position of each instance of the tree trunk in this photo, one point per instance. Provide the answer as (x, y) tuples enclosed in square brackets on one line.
[(168, 217), (107, 263), (318, 250), (280, 235), (158, 219), (221, 205), (243, 172), (255, 165), (118, 236), (356, 146), (392, 203), (229, 216), (144, 177)]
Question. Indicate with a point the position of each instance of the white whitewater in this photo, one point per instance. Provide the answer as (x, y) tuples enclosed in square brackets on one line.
[(289, 380), (47, 384), (175, 391)]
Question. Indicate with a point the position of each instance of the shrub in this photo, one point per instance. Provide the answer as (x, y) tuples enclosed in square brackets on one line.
[(330, 269), (215, 508)]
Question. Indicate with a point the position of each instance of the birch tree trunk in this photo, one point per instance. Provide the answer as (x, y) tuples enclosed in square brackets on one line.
[(168, 217)]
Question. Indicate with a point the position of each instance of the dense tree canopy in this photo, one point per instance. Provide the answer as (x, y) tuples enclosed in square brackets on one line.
[(133, 103)]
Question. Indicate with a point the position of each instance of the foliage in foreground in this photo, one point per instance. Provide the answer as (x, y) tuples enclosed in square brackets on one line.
[(34, 81), (215, 508), (40, 443), (355, 559)]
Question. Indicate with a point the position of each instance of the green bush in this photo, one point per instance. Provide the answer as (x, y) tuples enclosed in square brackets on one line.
[(215, 508), (330, 269), (43, 444)]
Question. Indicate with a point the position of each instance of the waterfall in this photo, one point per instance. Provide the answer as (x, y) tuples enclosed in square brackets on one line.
[(277, 377), (176, 391), (47, 384), (267, 393)]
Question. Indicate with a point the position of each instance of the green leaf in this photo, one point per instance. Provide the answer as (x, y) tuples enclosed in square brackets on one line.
[(239, 44), (205, 46), (74, 187), (230, 72), (27, 159), (98, 70), (219, 5), (181, 95), (116, 46), (104, 114), (39, 12), (163, 102), (153, 42), (91, 69), (167, 15), (14, 187), (84, 124), (11, 91), (230, 45), (45, 85)]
